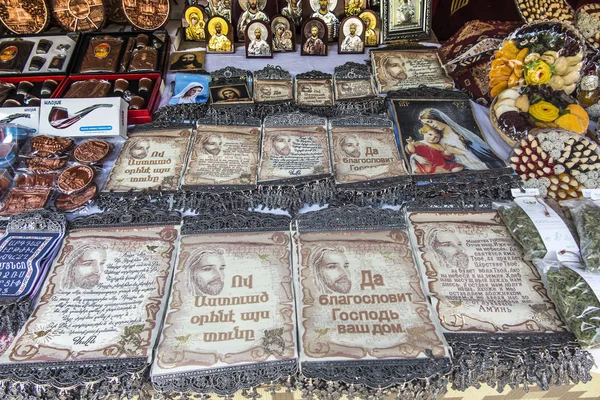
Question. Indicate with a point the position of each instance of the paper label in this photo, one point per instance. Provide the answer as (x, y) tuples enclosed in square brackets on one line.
[(525, 192), (593, 194), (556, 236)]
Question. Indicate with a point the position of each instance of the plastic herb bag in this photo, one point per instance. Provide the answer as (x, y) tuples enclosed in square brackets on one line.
[(540, 227), (586, 216), (523, 230), (576, 300)]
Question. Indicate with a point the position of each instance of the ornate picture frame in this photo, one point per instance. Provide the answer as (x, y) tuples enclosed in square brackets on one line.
[(273, 84), (406, 19)]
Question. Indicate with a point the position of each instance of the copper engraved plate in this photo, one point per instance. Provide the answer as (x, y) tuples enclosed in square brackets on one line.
[(70, 202), (147, 15), (41, 164), (48, 145), (75, 179), (91, 151), (24, 17), (79, 15)]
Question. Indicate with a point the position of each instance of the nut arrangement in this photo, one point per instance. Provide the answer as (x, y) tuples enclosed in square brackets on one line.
[(557, 163), (536, 10), (588, 23)]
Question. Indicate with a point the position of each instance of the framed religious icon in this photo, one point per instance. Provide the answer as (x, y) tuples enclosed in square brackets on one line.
[(284, 34), (193, 23), (219, 36), (295, 149), (79, 15), (219, 8), (314, 38), (91, 280), (147, 15), (152, 158), (331, 12), (353, 81), (230, 94), (405, 69), (193, 355), (224, 156), (314, 89), (354, 7), (273, 84), (190, 88), (372, 27), (292, 10), (192, 60), (440, 135), (24, 17), (364, 150), (351, 262), (352, 36), (258, 40), (449, 245), (247, 11), (406, 19)]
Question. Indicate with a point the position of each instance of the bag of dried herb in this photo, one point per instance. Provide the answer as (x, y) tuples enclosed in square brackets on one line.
[(523, 230), (586, 216), (575, 300)]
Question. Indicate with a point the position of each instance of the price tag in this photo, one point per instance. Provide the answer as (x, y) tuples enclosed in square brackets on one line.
[(525, 193), (593, 194)]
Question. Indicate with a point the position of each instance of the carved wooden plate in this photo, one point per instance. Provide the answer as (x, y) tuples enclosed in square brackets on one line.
[(24, 17), (79, 15), (147, 15)]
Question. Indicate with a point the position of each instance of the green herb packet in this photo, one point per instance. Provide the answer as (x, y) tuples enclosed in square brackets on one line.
[(577, 303), (523, 230), (586, 216)]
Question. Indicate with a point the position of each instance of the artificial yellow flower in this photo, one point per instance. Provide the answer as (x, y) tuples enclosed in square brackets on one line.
[(544, 111), (538, 73)]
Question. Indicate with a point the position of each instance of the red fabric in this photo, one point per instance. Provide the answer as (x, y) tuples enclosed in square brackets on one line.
[(471, 74), (439, 161), (446, 24)]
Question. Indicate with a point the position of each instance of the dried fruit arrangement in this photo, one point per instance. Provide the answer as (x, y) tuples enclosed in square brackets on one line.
[(543, 53), (558, 163), (516, 111)]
